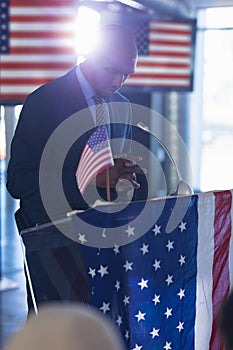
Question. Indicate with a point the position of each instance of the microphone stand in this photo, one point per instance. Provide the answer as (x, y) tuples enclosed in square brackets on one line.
[(183, 188)]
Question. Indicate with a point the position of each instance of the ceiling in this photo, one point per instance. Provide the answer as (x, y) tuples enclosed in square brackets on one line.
[(169, 8), (209, 3), (186, 8)]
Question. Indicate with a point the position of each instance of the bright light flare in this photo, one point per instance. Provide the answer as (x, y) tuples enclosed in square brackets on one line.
[(87, 24)]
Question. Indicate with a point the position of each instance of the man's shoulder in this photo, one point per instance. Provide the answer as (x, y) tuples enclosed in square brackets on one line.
[(56, 85)]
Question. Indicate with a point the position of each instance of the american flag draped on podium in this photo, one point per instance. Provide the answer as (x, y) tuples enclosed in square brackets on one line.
[(162, 290)]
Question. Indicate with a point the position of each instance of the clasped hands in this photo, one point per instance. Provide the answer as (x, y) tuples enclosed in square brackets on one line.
[(124, 169)]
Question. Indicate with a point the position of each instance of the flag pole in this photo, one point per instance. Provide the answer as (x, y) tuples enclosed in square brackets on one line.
[(108, 185)]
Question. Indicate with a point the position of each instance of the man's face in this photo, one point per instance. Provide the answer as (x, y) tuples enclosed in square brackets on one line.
[(109, 73)]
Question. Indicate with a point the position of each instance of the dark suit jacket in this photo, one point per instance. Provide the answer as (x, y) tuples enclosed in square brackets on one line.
[(44, 110)]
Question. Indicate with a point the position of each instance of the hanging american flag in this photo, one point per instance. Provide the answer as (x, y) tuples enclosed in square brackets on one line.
[(37, 45), (96, 157), (166, 54)]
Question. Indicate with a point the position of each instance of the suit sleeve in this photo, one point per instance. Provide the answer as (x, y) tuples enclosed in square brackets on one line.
[(26, 149)]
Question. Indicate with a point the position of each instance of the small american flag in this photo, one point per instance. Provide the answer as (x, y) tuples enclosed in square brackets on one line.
[(37, 45), (96, 157), (166, 54)]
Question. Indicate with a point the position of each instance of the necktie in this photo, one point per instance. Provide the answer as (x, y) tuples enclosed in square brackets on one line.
[(101, 117)]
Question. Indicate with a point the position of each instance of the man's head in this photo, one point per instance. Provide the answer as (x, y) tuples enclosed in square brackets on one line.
[(112, 60), (70, 326)]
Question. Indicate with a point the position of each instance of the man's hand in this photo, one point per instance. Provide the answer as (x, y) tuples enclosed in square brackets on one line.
[(124, 168)]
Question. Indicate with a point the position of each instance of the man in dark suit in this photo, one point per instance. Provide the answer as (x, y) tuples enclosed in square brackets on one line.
[(102, 74)]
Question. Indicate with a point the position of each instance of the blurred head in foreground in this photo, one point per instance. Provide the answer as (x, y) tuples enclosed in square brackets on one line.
[(226, 322), (67, 327)]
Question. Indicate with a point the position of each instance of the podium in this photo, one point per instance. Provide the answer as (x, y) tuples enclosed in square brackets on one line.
[(162, 287)]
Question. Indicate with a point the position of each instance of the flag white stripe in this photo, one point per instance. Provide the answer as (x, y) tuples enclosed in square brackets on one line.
[(160, 70), (18, 89), (94, 172), (87, 154), (170, 37), (170, 25), (41, 42), (159, 82), (169, 48), (42, 27), (43, 73), (205, 258), (162, 59), (37, 58), (33, 11), (94, 167)]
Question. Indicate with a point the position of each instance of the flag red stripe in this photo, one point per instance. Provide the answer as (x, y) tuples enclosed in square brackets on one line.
[(42, 35), (25, 81), (168, 85), (94, 167), (41, 50), (162, 64), (159, 76), (34, 65), (170, 43), (156, 53), (221, 278), (171, 31), (39, 3), (41, 18)]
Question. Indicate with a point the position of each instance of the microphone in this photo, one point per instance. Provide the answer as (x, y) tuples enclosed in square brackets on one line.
[(183, 188)]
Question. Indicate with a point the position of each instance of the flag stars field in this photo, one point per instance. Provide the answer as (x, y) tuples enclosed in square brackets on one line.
[(92, 272), (116, 249), (182, 260), (140, 316), (168, 312), (157, 230), (170, 245), (105, 307), (143, 284), (167, 346), (144, 249), (137, 347), (182, 226), (82, 238), (128, 265), (181, 293), (130, 231), (180, 326), (103, 270), (118, 285), (169, 280), (157, 265), (154, 333), (119, 320), (126, 300), (156, 299)]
